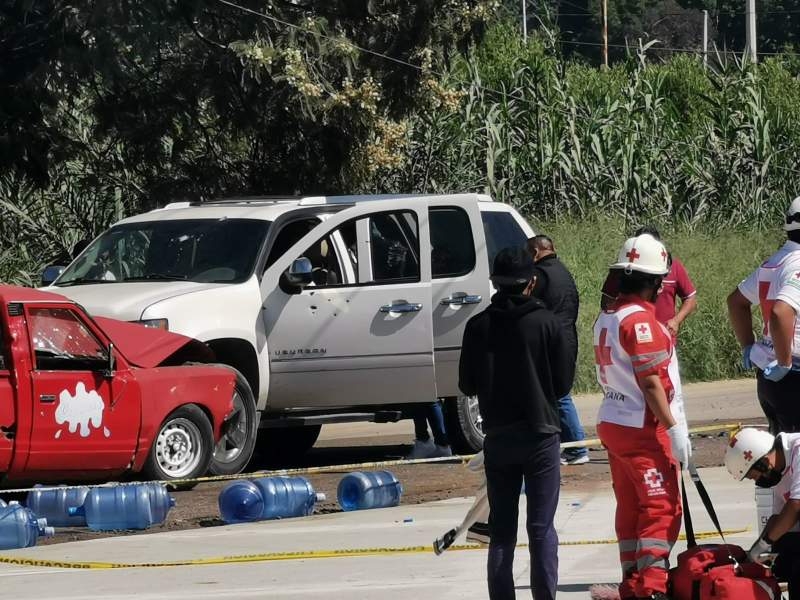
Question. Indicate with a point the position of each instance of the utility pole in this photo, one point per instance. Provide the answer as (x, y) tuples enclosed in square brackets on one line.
[(751, 30), (604, 4), (525, 21), (705, 39)]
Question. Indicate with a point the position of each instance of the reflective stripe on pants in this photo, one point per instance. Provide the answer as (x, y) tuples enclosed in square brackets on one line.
[(648, 517)]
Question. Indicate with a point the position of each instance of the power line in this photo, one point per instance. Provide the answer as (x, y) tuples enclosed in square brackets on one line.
[(502, 94)]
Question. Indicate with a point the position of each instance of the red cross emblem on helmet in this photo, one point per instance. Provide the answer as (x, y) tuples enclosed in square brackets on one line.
[(633, 255), (748, 456)]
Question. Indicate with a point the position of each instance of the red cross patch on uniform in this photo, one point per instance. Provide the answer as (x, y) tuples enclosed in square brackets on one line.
[(643, 333)]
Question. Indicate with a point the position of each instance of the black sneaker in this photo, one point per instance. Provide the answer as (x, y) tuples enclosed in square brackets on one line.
[(479, 534)]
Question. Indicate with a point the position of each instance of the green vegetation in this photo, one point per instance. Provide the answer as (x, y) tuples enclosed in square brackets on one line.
[(716, 262)]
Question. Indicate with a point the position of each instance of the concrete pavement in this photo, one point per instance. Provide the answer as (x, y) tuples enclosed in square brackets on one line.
[(582, 517)]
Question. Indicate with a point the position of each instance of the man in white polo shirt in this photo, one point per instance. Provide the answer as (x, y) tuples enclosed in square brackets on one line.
[(775, 288), (773, 462)]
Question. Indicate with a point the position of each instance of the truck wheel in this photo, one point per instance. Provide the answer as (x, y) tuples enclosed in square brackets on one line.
[(464, 424), (235, 447), (287, 443), (182, 447)]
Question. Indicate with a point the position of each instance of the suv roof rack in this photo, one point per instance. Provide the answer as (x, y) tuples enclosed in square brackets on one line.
[(249, 200)]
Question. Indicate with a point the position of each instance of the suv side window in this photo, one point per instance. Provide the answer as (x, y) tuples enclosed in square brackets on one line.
[(394, 245), (394, 239), (452, 246), (288, 236), (502, 231), (61, 341)]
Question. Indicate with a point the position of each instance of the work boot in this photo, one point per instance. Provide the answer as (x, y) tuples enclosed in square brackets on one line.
[(426, 449)]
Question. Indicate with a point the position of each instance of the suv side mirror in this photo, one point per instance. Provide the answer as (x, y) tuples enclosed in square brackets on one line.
[(300, 273), (51, 273), (112, 362)]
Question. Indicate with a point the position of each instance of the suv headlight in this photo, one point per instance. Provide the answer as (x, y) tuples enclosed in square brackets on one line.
[(155, 323)]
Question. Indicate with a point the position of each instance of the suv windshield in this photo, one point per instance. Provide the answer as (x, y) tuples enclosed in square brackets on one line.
[(201, 250)]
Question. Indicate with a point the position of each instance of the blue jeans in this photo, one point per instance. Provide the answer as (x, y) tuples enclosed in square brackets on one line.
[(430, 414), (571, 429)]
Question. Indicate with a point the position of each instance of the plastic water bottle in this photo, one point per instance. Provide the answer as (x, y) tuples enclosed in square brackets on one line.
[(20, 528), (54, 505), (241, 502), (286, 497), (360, 490), (124, 507)]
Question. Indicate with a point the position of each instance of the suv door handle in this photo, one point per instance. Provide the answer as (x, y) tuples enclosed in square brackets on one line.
[(461, 300), (404, 307), (47, 398)]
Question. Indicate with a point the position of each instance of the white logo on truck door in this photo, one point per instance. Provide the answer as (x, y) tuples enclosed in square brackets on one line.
[(84, 409)]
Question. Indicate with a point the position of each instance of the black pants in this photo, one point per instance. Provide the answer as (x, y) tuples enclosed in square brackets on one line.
[(780, 402), (511, 455), (787, 565)]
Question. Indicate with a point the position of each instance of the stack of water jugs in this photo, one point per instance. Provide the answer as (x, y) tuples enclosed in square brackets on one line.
[(285, 497), (134, 506)]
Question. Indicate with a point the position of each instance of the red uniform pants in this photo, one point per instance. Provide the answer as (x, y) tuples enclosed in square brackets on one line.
[(648, 520)]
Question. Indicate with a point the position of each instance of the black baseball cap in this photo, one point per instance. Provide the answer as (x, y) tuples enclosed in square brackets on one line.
[(512, 266)]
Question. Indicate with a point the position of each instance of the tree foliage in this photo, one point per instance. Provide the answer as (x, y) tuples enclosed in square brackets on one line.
[(201, 97)]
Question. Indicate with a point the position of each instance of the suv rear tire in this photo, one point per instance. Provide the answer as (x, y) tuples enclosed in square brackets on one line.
[(464, 424)]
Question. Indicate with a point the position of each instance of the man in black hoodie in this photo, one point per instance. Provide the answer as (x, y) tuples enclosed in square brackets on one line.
[(515, 358)]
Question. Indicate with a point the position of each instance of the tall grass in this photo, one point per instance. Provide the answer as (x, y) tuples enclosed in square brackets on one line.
[(717, 260), (668, 142)]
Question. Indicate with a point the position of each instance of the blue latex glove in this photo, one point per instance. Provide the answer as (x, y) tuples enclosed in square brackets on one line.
[(746, 362), (776, 372)]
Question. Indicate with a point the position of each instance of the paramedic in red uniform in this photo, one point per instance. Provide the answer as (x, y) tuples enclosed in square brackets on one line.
[(775, 288), (773, 462), (677, 284), (641, 420)]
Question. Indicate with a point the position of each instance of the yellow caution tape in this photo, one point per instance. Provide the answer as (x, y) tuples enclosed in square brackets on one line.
[(341, 468), (300, 555)]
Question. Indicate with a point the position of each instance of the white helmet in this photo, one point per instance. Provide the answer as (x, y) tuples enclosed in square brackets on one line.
[(644, 254), (746, 447), (792, 216)]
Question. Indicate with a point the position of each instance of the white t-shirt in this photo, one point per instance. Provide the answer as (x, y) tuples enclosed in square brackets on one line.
[(789, 486), (778, 278)]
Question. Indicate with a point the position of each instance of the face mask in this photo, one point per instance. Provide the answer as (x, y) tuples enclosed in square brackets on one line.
[(770, 479)]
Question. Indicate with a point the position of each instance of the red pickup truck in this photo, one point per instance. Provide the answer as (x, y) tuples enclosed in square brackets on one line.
[(86, 398)]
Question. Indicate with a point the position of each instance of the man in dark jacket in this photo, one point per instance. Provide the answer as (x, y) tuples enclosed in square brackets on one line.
[(556, 288), (514, 357)]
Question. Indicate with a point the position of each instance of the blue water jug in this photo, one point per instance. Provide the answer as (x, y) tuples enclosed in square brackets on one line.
[(54, 505), (286, 497), (241, 502), (160, 501), (20, 528), (124, 507), (362, 490)]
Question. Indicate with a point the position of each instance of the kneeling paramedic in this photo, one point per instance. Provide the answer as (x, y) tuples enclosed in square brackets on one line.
[(773, 462), (641, 421)]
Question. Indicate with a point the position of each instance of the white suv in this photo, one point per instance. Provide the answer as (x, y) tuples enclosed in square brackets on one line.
[(333, 308)]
